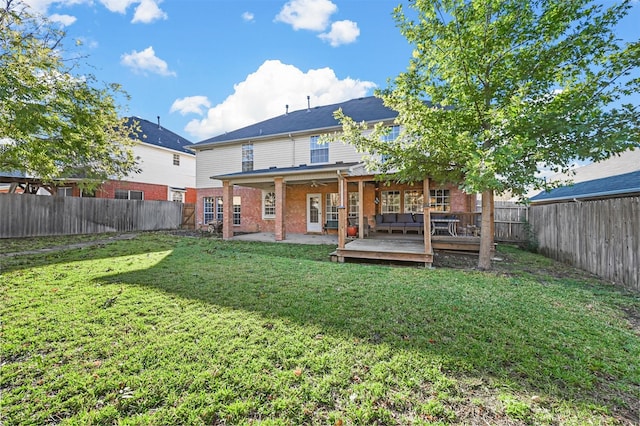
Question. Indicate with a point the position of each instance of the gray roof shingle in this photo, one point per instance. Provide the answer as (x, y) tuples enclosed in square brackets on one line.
[(154, 134), (369, 108), (627, 183)]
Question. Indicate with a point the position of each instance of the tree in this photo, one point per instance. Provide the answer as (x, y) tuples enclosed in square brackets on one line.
[(497, 89), (54, 124)]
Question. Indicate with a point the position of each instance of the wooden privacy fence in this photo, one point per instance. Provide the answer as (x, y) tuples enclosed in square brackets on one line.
[(510, 221), (602, 237), (24, 215)]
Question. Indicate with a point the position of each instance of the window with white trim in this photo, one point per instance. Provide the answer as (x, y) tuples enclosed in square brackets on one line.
[(236, 210), (208, 204), (268, 205), (176, 159), (413, 201), (354, 204), (440, 200), (331, 206), (247, 157), (319, 151), (219, 209), (123, 194), (390, 202), (177, 196), (65, 191)]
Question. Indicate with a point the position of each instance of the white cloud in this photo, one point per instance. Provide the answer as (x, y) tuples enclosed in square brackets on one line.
[(148, 11), (190, 104), (119, 6), (248, 17), (265, 93), (146, 61), (342, 32), (307, 14), (65, 20)]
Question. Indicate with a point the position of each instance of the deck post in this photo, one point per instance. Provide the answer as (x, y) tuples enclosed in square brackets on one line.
[(227, 210), (280, 231), (342, 230), (361, 224), (426, 207)]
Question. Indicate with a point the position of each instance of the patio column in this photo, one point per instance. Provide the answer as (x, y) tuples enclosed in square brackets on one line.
[(227, 210), (361, 224), (426, 209), (342, 211), (280, 231)]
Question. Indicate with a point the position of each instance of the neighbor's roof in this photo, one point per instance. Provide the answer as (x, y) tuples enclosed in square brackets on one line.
[(154, 134), (288, 170), (316, 118), (624, 184)]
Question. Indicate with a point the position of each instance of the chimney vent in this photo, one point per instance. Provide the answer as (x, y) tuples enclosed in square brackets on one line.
[(308, 103), (159, 122), (286, 110)]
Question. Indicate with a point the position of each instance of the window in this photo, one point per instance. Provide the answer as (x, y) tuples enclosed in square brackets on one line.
[(394, 132), (332, 203), (413, 201), (207, 208), (268, 205), (439, 200), (390, 202), (354, 204), (319, 152), (176, 159), (218, 208), (177, 196), (123, 194), (247, 157), (236, 211), (65, 191)]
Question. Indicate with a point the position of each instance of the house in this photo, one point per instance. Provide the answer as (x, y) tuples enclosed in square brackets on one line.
[(618, 176), (276, 176)]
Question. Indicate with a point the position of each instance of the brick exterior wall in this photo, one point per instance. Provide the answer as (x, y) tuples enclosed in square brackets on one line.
[(151, 191), (296, 204)]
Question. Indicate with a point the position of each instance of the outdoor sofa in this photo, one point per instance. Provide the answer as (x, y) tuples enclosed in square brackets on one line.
[(405, 222)]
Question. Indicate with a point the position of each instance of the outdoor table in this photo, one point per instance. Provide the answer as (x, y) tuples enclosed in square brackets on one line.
[(448, 225)]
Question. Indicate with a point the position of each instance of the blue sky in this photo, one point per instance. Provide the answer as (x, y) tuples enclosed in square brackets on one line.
[(210, 66)]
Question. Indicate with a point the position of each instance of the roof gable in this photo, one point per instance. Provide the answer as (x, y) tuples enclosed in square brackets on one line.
[(626, 183), (154, 134), (369, 108)]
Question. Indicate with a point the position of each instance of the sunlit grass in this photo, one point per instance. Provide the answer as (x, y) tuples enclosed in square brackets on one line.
[(170, 330)]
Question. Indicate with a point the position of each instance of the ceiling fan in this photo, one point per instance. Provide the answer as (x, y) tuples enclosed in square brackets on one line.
[(315, 184)]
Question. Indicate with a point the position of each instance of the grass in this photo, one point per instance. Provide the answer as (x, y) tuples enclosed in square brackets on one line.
[(167, 330)]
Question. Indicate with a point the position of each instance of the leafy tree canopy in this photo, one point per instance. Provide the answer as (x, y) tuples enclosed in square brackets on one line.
[(55, 124), (513, 86)]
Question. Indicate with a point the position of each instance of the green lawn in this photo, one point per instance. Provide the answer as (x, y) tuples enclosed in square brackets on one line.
[(171, 330)]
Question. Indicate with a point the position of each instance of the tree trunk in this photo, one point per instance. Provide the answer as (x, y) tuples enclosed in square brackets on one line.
[(486, 231)]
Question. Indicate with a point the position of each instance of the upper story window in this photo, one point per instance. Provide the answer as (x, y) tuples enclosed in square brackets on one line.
[(440, 200), (247, 157), (268, 205), (319, 152), (176, 159), (394, 132)]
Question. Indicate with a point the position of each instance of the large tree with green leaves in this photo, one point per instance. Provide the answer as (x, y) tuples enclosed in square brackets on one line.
[(497, 89), (55, 124)]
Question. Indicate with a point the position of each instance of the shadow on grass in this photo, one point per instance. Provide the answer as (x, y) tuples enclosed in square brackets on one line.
[(542, 337)]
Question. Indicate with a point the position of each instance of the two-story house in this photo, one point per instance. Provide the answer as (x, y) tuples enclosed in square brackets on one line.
[(275, 176)]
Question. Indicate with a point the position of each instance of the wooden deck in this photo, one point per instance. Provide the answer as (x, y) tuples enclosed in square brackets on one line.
[(402, 247)]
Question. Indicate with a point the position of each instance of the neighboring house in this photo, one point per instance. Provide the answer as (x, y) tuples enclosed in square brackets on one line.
[(618, 176), (275, 176), (167, 171), (167, 167)]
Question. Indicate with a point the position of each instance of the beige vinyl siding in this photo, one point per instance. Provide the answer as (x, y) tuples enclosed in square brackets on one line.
[(217, 161), (278, 153)]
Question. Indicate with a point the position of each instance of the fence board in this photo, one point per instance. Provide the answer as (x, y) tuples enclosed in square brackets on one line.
[(23, 215), (510, 221), (602, 236)]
